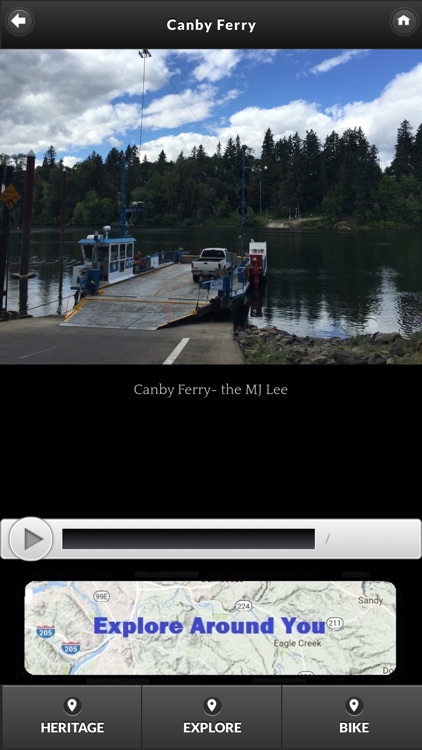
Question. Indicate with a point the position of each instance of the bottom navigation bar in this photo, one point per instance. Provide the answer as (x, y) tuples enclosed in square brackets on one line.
[(220, 717)]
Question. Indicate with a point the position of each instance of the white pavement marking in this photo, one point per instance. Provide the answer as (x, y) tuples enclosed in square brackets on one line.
[(175, 353), (25, 356)]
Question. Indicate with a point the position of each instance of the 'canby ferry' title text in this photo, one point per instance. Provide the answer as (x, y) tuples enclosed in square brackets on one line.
[(221, 24)]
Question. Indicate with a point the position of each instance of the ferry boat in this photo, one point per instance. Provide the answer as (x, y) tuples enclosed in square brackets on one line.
[(108, 260), (105, 260)]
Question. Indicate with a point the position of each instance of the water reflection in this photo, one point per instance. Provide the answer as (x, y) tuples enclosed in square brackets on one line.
[(23, 297), (408, 311), (60, 300), (319, 283), (49, 290), (256, 300), (343, 284)]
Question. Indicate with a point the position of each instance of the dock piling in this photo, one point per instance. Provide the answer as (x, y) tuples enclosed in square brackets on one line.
[(7, 174), (27, 213)]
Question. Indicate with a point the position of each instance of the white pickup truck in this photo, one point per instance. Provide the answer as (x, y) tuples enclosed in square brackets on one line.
[(213, 261)]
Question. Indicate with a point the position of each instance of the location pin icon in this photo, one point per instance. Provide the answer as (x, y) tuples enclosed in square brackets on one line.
[(212, 706), (72, 706), (354, 706)]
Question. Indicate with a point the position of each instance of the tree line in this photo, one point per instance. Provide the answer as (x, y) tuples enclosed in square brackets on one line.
[(340, 178)]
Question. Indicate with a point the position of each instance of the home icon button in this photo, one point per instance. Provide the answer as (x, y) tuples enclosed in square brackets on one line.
[(404, 21)]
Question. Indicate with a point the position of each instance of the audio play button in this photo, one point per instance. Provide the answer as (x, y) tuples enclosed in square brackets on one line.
[(30, 538)]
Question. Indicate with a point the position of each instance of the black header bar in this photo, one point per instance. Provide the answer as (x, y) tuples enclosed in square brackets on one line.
[(217, 24)]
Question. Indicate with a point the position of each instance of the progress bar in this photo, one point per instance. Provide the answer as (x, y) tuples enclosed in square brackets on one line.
[(34, 538), (187, 539)]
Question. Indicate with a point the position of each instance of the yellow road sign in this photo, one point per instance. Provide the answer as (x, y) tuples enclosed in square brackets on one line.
[(10, 196)]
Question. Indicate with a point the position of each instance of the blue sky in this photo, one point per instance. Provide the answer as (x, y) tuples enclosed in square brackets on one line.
[(81, 101)]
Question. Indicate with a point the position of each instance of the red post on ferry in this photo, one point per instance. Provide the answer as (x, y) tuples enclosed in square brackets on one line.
[(258, 263)]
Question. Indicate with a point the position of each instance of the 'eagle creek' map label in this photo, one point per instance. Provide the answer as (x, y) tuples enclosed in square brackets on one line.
[(210, 628)]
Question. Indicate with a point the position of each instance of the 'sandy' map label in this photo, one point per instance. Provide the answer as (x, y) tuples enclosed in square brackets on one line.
[(210, 628)]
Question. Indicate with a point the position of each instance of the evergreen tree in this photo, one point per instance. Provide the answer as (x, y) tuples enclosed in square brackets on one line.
[(343, 178), (358, 174), (312, 164), (389, 199), (268, 148), (403, 160), (162, 162), (291, 195), (417, 153), (132, 155), (331, 160), (132, 169), (238, 147), (112, 163), (48, 163), (51, 157), (201, 155), (230, 157)]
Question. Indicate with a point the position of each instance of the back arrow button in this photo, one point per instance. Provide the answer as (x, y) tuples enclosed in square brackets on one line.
[(20, 21)]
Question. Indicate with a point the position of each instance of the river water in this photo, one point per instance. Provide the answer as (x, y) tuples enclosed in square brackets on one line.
[(326, 283)]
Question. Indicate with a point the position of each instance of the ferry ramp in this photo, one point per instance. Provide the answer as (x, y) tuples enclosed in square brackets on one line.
[(150, 300)]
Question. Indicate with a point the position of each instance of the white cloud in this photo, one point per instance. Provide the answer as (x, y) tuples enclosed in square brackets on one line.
[(75, 99), (173, 145), (332, 62), (213, 64), (252, 122), (261, 55), (70, 98), (379, 119), (115, 142), (228, 96), (70, 161), (174, 110)]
